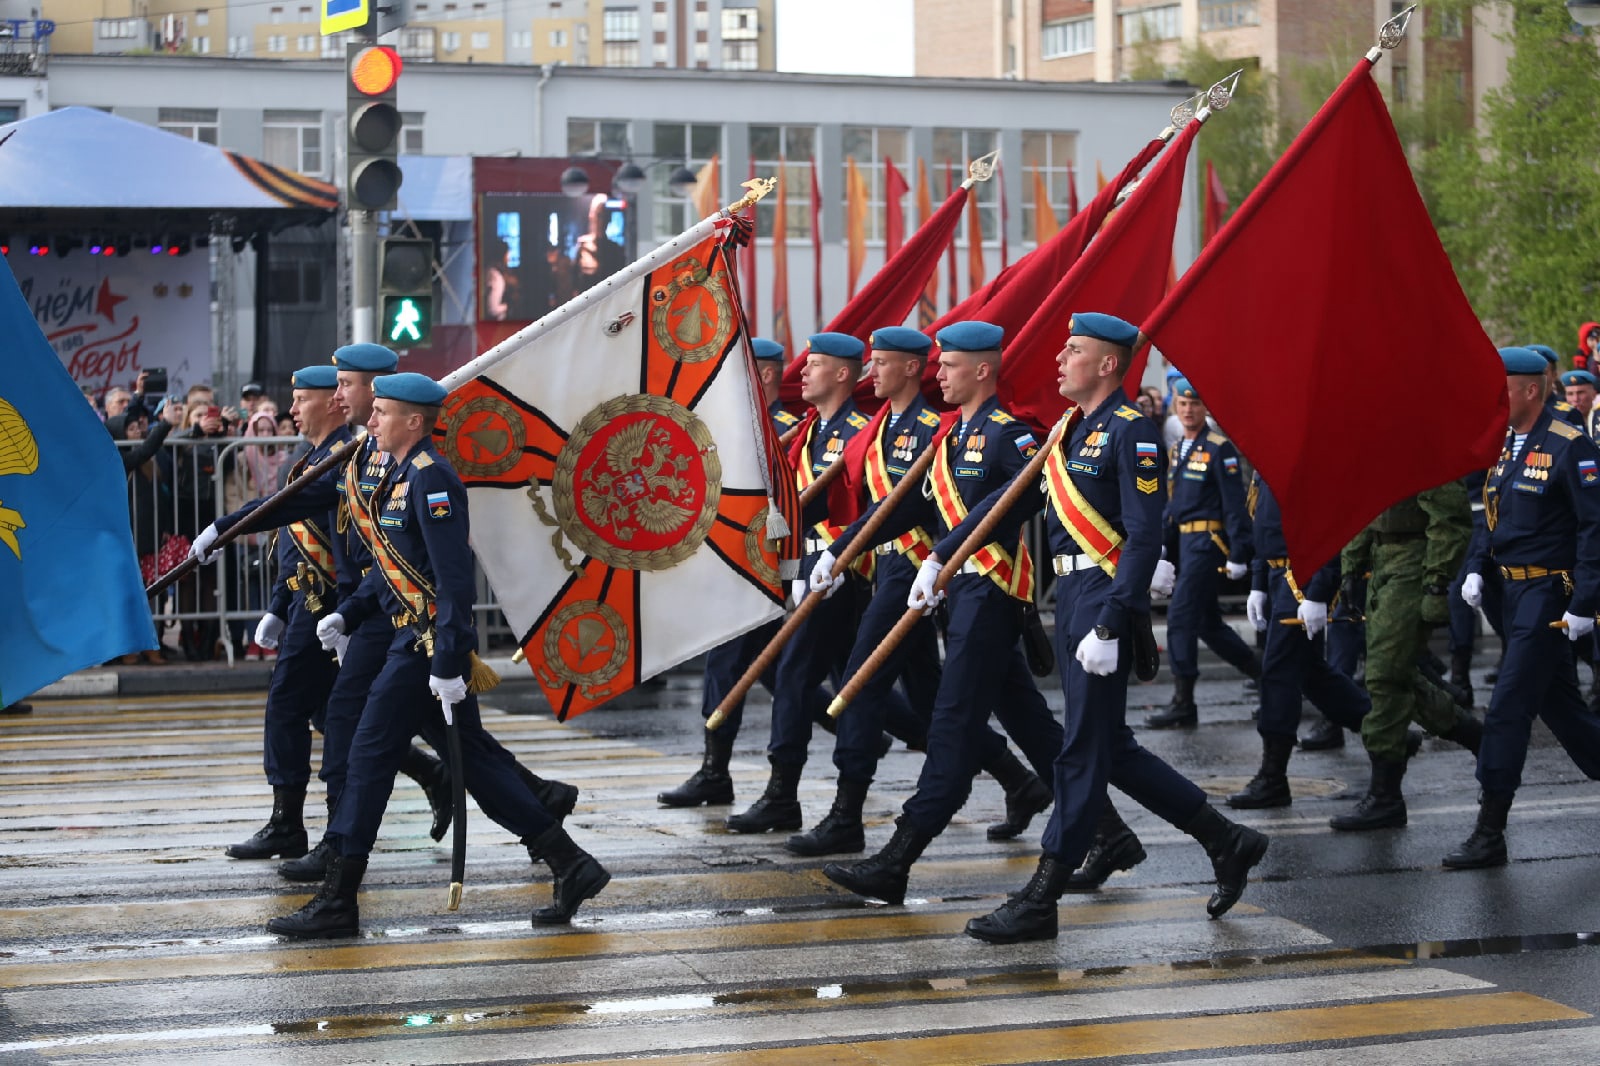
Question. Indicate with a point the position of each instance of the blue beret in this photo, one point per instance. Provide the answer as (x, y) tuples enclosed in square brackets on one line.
[(1579, 377), (900, 339), (1107, 328), (315, 377), (1173, 372), (1181, 387), (838, 345), (765, 350), (370, 358), (1523, 361), (971, 336), (1545, 350), (409, 388)]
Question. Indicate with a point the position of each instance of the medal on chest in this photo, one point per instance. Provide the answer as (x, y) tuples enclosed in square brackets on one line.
[(974, 446), (1094, 444)]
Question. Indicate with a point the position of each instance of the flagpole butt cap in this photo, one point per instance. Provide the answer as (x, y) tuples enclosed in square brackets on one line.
[(454, 902), (836, 707)]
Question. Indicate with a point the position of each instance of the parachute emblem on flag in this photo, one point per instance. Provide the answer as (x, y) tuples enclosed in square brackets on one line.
[(638, 482), (692, 315), (586, 645), (484, 437), (19, 454)]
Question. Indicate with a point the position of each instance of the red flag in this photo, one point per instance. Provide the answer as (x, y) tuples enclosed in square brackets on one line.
[(894, 212), (975, 268), (1121, 273), (1005, 249), (1045, 225), (928, 304), (782, 331), (816, 248), (1216, 206), (1299, 305), (949, 190), (1072, 190), (855, 224), (747, 273)]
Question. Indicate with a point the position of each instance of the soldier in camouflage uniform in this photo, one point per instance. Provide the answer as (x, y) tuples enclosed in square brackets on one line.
[(1412, 550)]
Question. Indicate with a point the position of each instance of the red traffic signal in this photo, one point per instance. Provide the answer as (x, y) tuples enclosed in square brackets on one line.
[(374, 70)]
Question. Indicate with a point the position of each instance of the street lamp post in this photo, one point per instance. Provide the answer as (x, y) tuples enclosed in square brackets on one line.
[(1584, 12)]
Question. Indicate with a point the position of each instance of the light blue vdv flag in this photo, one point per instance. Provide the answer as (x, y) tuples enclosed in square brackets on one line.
[(71, 595)]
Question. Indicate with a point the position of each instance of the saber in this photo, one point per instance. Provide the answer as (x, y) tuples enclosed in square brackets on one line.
[(458, 800)]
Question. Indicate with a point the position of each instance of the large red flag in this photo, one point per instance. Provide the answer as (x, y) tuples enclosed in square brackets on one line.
[(816, 248), (894, 212), (782, 331), (1123, 272), (1295, 311), (1216, 205), (928, 303)]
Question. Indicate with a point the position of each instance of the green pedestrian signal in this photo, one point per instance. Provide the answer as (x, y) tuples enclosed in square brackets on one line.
[(407, 320)]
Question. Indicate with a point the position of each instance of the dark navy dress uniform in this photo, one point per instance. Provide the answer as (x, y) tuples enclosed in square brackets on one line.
[(1542, 507), (1463, 618), (1291, 665), (421, 510), (1113, 457), (985, 669), (1207, 526)]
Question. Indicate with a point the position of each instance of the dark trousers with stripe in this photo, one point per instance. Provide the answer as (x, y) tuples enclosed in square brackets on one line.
[(363, 659), (1193, 614), (1293, 667), (297, 700)]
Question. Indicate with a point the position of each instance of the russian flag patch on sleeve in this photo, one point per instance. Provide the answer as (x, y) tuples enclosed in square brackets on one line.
[(439, 504), (1588, 473)]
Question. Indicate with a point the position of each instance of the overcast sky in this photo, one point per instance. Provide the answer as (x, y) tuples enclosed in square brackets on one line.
[(845, 36)]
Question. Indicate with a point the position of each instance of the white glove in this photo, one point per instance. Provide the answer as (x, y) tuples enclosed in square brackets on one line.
[(1578, 625), (201, 547), (1314, 615), (797, 589), (1236, 570), (1472, 590), (1163, 579), (1255, 609), (268, 630), (329, 630), (1097, 656), (340, 645), (450, 690), (923, 597), (822, 575)]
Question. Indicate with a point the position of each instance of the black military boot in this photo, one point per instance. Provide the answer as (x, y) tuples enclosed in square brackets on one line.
[(778, 807), (1234, 850), (557, 797), (711, 785), (1384, 806), (1115, 848), (1324, 736), (312, 866), (285, 832), (332, 912), (1461, 670), (1028, 915), (1433, 669), (578, 875), (840, 831), (1486, 846), (1026, 795), (1270, 786), (434, 777), (1468, 732), (884, 876), (1181, 713)]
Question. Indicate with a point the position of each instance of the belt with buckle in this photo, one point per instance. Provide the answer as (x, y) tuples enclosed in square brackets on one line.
[(817, 544), (1204, 525), (1531, 573), (1279, 564), (1067, 564), (885, 549)]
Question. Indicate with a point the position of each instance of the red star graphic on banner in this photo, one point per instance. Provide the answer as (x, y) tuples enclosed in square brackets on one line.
[(106, 301)]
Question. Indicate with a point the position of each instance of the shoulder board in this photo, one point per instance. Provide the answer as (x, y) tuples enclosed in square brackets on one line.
[(1216, 438), (785, 418), (1000, 417), (857, 419), (1127, 413), (422, 462), (928, 418), (1562, 429), (1562, 405)]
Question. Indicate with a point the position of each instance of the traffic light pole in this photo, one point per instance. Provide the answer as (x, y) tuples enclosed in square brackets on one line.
[(363, 275)]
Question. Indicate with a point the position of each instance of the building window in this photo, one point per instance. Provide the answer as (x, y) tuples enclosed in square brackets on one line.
[(702, 17), (1402, 84), (277, 44), (1227, 14), (1458, 85), (620, 24), (1450, 25), (202, 17), (200, 45), (195, 123), (1049, 155), (238, 46), (306, 42), (952, 150), (702, 54), (293, 140), (449, 41), (597, 137), (295, 282), (868, 145), (740, 24), (789, 149), (658, 55), (694, 144), (116, 29), (740, 55), (558, 38), (275, 15), (411, 132), (620, 54), (658, 18), (480, 41), (1151, 24), (521, 38), (305, 14)]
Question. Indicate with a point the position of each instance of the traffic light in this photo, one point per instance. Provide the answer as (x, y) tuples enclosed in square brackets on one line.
[(372, 176), (405, 289)]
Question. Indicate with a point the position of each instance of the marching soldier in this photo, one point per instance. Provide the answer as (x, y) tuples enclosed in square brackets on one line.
[(1411, 550), (421, 584), (712, 784), (1542, 507), (899, 355), (1555, 397), (1579, 388), (984, 665), (1103, 503), (1208, 530)]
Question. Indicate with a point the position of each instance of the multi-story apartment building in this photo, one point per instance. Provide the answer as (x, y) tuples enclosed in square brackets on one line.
[(692, 34)]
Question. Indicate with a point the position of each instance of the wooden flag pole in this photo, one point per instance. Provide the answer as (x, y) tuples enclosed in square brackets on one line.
[(1026, 481), (911, 481)]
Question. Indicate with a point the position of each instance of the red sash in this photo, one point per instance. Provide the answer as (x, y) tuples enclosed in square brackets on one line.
[(1015, 576), (1087, 527), (916, 545)]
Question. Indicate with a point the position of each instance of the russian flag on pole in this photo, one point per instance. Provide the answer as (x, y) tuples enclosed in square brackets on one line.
[(69, 578)]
